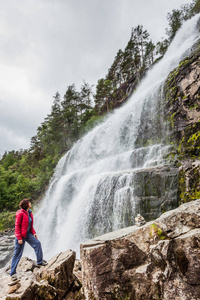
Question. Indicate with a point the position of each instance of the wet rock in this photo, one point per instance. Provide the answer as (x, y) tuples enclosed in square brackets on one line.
[(182, 90), (159, 260), (189, 181), (155, 190), (6, 248)]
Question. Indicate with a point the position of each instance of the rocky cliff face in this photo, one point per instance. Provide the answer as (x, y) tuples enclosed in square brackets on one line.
[(179, 106), (7, 246), (159, 260), (182, 90)]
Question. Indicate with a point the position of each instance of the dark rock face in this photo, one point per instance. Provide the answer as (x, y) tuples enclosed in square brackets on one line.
[(155, 190), (6, 248), (179, 106), (159, 260), (182, 90)]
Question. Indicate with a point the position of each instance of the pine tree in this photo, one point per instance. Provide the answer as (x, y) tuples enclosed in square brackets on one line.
[(161, 47), (149, 53), (103, 93), (140, 38), (99, 96), (115, 71), (70, 110), (175, 19), (127, 65), (196, 6)]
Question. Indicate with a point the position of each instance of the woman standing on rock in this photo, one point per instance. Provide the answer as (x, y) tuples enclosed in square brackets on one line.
[(24, 232)]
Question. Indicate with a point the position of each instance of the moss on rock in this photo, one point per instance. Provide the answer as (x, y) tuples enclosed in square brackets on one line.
[(183, 115)]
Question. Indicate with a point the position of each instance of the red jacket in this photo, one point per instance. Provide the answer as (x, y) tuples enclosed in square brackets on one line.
[(21, 224)]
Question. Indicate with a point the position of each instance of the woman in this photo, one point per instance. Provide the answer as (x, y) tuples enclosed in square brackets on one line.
[(24, 232)]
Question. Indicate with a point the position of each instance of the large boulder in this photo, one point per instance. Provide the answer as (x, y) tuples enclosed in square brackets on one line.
[(159, 260), (59, 272), (54, 281)]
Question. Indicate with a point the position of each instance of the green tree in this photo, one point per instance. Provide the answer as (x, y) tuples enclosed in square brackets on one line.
[(86, 94), (85, 100), (103, 93), (161, 47), (149, 53), (140, 38), (175, 19), (196, 7), (127, 64), (115, 71), (70, 111)]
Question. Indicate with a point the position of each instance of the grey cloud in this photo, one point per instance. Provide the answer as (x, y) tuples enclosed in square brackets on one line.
[(54, 43)]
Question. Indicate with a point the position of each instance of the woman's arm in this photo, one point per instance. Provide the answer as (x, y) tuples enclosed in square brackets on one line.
[(18, 223), (32, 228)]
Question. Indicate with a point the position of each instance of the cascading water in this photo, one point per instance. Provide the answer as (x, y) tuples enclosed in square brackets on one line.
[(92, 190)]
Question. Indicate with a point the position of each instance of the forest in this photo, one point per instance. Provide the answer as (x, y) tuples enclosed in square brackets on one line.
[(26, 173)]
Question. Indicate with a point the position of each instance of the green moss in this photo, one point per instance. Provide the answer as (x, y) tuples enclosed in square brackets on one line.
[(172, 119), (148, 143), (189, 145), (195, 137), (187, 141), (188, 184), (156, 231), (193, 107)]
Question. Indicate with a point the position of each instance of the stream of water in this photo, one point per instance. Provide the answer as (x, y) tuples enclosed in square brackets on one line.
[(92, 190)]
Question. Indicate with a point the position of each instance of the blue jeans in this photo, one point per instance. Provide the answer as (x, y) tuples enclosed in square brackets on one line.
[(34, 243)]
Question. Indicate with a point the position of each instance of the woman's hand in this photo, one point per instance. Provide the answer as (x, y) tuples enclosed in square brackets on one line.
[(35, 235), (20, 241)]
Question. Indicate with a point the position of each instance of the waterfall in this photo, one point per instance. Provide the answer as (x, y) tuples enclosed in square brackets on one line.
[(92, 191)]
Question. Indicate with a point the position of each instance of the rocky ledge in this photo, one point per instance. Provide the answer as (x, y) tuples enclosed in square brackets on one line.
[(54, 281), (159, 260), (7, 245)]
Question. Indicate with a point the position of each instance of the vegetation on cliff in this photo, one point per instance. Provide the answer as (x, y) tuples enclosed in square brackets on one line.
[(26, 173), (183, 112)]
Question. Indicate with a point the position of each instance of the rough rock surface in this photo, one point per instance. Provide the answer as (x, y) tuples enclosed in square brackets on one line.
[(159, 260), (59, 272), (6, 248), (54, 281), (155, 190), (182, 91)]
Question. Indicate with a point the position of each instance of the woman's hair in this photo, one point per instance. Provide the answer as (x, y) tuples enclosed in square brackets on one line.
[(24, 204)]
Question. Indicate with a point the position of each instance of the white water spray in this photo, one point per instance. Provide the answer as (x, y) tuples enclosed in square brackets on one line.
[(92, 190)]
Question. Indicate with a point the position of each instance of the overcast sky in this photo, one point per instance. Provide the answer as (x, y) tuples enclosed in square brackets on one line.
[(46, 45)]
